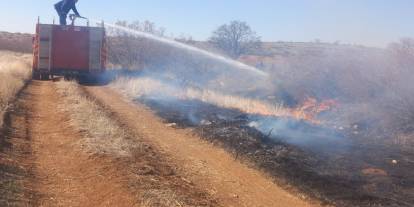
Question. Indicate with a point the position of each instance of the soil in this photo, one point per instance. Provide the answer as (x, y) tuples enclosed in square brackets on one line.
[(42, 163), (60, 173), (16, 168)]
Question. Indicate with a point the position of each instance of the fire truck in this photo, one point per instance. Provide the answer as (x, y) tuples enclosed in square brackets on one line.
[(69, 51)]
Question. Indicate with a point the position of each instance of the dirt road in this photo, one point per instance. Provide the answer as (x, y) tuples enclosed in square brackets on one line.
[(65, 175), (177, 168), (209, 167)]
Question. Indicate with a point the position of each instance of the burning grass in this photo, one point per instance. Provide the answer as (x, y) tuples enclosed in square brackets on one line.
[(148, 87), (337, 164), (350, 107), (342, 175)]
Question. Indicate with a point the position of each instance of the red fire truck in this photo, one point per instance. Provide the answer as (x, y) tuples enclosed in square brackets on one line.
[(69, 51)]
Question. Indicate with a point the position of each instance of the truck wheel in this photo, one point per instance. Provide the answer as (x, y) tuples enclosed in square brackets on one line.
[(35, 76), (45, 76)]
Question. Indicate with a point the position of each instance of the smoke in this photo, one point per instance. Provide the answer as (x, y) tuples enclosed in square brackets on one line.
[(315, 138), (292, 125), (369, 85), (342, 112), (372, 87), (150, 87)]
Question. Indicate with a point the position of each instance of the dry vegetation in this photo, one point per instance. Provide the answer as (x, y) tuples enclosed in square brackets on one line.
[(129, 52), (15, 64), (16, 42), (14, 72), (103, 135), (147, 87), (373, 86)]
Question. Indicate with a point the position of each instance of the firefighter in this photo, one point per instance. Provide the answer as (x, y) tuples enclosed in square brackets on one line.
[(63, 7)]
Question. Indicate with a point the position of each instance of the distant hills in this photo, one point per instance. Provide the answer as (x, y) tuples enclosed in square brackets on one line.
[(22, 42), (16, 42)]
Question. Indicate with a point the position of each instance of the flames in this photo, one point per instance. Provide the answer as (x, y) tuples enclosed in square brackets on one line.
[(311, 108), (308, 110)]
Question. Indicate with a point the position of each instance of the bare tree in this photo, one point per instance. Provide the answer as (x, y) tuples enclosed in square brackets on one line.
[(404, 51), (185, 39), (132, 52), (236, 38)]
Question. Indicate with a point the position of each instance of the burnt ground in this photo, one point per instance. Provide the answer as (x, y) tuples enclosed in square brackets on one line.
[(358, 174)]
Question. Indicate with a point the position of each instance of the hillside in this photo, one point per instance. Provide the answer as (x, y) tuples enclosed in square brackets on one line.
[(278, 52), (16, 42)]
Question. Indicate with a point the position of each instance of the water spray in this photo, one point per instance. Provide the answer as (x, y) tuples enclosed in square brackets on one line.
[(186, 47)]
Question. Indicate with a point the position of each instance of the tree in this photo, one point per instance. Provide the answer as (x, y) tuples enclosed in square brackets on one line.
[(404, 51), (130, 51), (236, 39)]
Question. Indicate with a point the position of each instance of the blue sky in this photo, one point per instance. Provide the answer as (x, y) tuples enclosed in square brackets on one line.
[(367, 22)]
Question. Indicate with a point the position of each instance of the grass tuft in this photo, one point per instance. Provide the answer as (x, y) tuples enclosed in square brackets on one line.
[(103, 135), (14, 72)]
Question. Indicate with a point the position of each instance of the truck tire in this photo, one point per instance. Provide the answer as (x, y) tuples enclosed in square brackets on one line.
[(44, 76), (35, 76)]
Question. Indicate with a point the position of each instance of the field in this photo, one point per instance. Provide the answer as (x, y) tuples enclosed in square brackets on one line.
[(329, 125), (14, 73), (62, 141), (334, 121), (16, 42), (92, 139)]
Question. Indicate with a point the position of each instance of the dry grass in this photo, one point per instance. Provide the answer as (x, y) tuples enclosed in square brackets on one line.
[(103, 135), (139, 87), (16, 42), (14, 72), (160, 198)]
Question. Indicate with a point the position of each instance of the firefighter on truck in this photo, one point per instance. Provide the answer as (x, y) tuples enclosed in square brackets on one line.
[(63, 8)]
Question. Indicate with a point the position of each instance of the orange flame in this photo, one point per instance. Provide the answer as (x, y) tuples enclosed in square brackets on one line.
[(311, 108)]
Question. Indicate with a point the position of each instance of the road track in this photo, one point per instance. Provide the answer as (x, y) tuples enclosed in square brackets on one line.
[(63, 174)]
